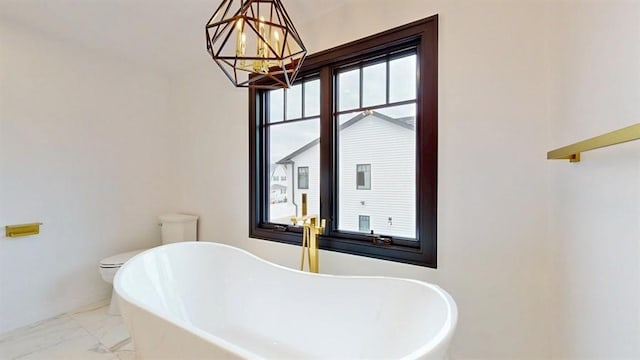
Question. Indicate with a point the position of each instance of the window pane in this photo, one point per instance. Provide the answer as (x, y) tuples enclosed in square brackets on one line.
[(294, 102), (360, 179), (293, 146), (276, 105), (303, 177), (363, 177), (312, 98), (364, 223), (374, 84), (377, 149), (349, 90), (402, 78)]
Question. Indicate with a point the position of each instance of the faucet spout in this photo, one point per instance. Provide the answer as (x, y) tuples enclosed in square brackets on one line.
[(311, 230), (312, 226)]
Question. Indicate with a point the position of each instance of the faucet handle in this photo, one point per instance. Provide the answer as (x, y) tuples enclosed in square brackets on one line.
[(323, 225)]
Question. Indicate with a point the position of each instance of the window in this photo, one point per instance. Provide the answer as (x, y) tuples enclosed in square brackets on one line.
[(372, 102), (363, 223), (363, 176), (303, 177)]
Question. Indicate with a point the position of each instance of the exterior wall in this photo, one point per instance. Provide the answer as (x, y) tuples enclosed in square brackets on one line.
[(390, 149), (387, 148), (310, 158)]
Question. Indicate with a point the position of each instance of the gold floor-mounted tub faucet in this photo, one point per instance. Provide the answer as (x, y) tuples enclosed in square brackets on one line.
[(312, 226)]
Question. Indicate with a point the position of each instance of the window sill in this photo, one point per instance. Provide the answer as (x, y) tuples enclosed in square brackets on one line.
[(392, 252)]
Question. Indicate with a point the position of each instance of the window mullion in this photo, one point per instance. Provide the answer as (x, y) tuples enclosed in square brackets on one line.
[(360, 86), (302, 110), (388, 78), (284, 104), (327, 153)]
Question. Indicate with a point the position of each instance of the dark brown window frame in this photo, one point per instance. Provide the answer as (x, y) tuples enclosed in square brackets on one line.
[(423, 34)]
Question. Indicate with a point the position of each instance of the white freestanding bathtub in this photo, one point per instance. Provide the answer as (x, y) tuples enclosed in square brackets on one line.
[(201, 300)]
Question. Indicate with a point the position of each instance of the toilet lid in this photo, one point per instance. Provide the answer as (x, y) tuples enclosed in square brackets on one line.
[(119, 259)]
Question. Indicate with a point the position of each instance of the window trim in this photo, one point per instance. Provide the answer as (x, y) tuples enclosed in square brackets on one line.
[(423, 33)]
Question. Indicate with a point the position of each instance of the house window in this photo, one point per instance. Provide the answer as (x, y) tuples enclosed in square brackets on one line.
[(303, 177), (364, 224), (363, 176), (374, 98)]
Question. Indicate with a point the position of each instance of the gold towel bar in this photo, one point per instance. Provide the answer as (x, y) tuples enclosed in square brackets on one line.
[(572, 152), (22, 229)]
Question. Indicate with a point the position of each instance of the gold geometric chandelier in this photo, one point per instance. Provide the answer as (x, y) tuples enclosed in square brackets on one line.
[(255, 43)]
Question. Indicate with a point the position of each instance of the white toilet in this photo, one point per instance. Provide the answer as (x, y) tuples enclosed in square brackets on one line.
[(175, 228)]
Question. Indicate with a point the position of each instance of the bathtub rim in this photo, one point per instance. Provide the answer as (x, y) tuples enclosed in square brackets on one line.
[(444, 333)]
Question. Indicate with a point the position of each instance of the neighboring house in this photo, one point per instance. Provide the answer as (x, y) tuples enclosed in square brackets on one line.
[(280, 194), (376, 178), (278, 184)]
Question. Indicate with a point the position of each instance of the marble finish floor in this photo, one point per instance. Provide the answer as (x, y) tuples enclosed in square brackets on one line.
[(88, 333)]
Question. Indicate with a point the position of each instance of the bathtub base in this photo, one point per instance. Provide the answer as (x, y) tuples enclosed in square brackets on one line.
[(196, 300), (156, 338)]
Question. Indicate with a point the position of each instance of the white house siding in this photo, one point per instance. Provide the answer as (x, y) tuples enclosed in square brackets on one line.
[(310, 158), (390, 149)]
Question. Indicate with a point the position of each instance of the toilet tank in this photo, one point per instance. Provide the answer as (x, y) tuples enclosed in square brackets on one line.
[(178, 227)]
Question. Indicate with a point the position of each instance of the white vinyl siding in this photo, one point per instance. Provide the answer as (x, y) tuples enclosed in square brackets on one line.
[(393, 177), (393, 195), (310, 159)]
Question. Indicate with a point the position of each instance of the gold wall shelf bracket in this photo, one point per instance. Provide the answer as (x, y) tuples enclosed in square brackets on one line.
[(22, 229), (572, 152)]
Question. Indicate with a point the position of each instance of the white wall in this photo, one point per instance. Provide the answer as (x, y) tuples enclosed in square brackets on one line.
[(85, 148), (595, 204), (494, 249), (212, 145)]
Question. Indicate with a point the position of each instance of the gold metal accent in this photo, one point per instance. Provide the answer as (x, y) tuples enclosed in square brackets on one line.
[(312, 226), (279, 51), (572, 152), (304, 204), (22, 229), (310, 230)]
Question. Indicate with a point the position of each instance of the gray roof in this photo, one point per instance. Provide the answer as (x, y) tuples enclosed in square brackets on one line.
[(405, 122)]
